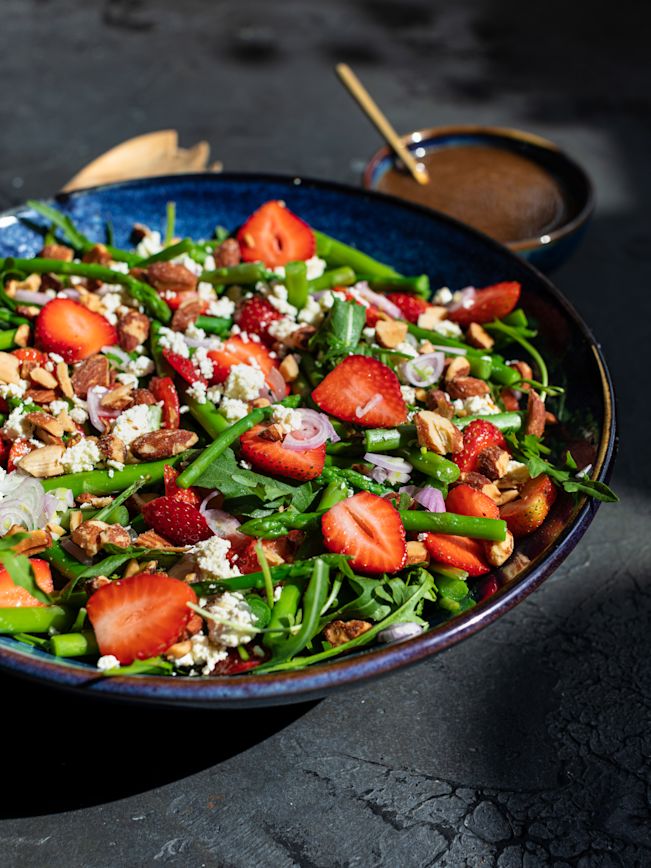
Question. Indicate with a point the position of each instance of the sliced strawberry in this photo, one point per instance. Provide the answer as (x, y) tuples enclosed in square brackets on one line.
[(493, 302), (509, 399), (276, 551), (234, 665), (369, 529), (524, 515), (236, 351), (4, 451), (188, 495), (364, 391), (373, 313), (487, 588), (176, 299), (411, 305), (141, 616), (179, 522), (457, 551), (275, 236), (164, 390), (12, 595), (271, 456), (73, 331), (19, 449), (184, 368), (465, 500), (476, 437), (30, 354), (255, 315)]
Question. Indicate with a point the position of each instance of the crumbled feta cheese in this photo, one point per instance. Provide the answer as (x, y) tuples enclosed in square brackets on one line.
[(202, 361), (286, 418), (312, 314), (128, 379), (234, 608), (17, 425), (114, 465), (442, 296), (315, 267), (141, 366), (206, 291), (13, 390), (55, 357), (193, 331), (137, 420), (188, 262), (406, 349), (277, 297), (198, 392), (202, 654), (111, 301), (221, 307), (210, 557), (282, 328), (245, 465), (447, 328), (149, 245), (78, 415), (214, 394), (108, 661), (244, 382), (408, 394), (278, 589), (233, 410), (81, 457), (173, 341), (369, 334), (56, 407), (477, 405)]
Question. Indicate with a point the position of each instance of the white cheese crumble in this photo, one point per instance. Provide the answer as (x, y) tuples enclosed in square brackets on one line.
[(141, 366), (407, 349), (282, 328), (149, 245), (244, 383), (56, 407), (476, 405), (277, 297), (203, 654), (447, 328), (315, 267), (128, 379), (233, 410), (78, 415), (137, 420), (198, 392), (286, 418), (81, 457), (17, 425), (108, 661), (231, 607), (13, 390), (312, 313), (442, 296), (203, 363), (408, 394), (221, 307), (210, 558), (111, 301), (173, 341)]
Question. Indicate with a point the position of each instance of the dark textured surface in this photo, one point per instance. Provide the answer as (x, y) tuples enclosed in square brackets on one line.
[(527, 745)]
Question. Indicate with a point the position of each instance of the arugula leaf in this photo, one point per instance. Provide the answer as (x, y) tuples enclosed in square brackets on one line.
[(20, 571), (234, 481), (340, 331), (528, 448)]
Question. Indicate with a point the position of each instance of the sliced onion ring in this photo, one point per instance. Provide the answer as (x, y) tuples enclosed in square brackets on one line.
[(388, 467), (117, 353), (379, 301), (425, 370), (27, 296), (277, 385), (315, 430), (95, 413), (363, 409)]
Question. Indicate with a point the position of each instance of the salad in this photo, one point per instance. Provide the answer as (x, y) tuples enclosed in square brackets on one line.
[(259, 451)]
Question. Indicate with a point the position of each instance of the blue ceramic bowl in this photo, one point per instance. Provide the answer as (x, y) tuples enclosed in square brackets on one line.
[(415, 240), (546, 251)]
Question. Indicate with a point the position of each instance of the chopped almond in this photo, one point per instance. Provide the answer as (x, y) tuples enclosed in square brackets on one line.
[(459, 366), (535, 421), (437, 433), (289, 369), (43, 378), (498, 553), (339, 632), (63, 376), (390, 333), (416, 553), (9, 369), (43, 462), (477, 336), (432, 316), (493, 462)]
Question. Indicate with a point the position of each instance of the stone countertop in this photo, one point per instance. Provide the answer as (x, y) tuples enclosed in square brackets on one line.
[(526, 745)]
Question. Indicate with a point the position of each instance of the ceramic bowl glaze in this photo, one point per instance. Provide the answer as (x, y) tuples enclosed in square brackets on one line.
[(546, 251), (414, 240)]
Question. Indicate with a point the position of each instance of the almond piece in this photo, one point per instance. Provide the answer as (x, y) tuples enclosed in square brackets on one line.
[(40, 396), (66, 423), (43, 462), (58, 251), (98, 254), (46, 423), (133, 330), (228, 254), (507, 496), (35, 542), (179, 649), (493, 462), (94, 500), (132, 568), (459, 366), (186, 314), (416, 553), (22, 335), (32, 283), (481, 483), (438, 401), (162, 444), (289, 369), (340, 632), (76, 518), (63, 376), (437, 433), (477, 336), (118, 398), (536, 416), (498, 553), (432, 316), (390, 333), (9, 369), (94, 371), (112, 448), (144, 396), (467, 387), (169, 276), (43, 378)]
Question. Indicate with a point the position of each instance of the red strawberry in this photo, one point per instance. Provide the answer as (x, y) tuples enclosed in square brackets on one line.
[(487, 588), (465, 500), (30, 354), (179, 522), (4, 451), (457, 551), (276, 551), (188, 495), (255, 315), (411, 305), (369, 529), (175, 301), (184, 368), (164, 390), (19, 449), (234, 665), (12, 595), (509, 399), (493, 302), (524, 515), (271, 456), (275, 236), (356, 384), (476, 437), (73, 331), (373, 313), (141, 616), (236, 351)]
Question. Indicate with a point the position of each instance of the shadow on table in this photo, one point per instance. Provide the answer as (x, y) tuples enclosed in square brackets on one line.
[(64, 752)]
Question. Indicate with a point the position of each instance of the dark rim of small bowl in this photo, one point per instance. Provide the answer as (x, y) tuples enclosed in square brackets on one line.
[(313, 682), (525, 244)]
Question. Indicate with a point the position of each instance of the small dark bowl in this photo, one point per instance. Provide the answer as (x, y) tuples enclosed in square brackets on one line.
[(414, 240), (546, 251)]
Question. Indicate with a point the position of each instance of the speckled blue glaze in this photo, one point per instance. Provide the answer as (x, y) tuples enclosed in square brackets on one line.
[(414, 240), (551, 250)]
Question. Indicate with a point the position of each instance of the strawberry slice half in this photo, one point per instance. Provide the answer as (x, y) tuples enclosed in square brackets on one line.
[(73, 331), (189, 495), (255, 315), (493, 302), (275, 235), (526, 514), (12, 595), (364, 391), (368, 529), (271, 456), (236, 351), (412, 306), (184, 368), (141, 616), (179, 522), (457, 551), (163, 389), (465, 500), (476, 437)]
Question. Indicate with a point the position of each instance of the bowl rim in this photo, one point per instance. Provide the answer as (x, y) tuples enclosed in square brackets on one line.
[(314, 682), (524, 245)]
